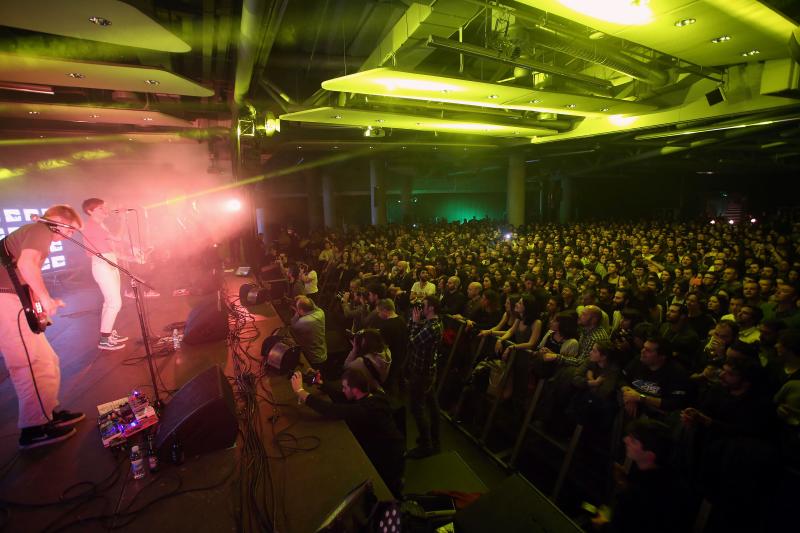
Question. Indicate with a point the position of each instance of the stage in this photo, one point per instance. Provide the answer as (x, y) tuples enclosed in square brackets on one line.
[(78, 485)]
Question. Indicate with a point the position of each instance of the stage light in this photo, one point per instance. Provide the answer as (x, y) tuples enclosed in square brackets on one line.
[(271, 124), (233, 204), (713, 222), (730, 222), (753, 220), (508, 236)]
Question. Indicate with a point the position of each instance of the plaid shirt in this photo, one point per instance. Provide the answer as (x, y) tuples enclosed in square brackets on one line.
[(585, 345), (423, 342)]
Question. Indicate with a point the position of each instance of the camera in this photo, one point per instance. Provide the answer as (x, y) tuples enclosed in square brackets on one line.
[(350, 334), (312, 377)]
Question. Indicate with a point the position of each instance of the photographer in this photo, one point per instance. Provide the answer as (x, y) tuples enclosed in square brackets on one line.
[(309, 278), (308, 330), (371, 356), (370, 419), (425, 335), (296, 287), (354, 304)]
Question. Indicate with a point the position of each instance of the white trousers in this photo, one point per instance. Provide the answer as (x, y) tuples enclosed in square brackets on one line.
[(107, 277), (43, 364)]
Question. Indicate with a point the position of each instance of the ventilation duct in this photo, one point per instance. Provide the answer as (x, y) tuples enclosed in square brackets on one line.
[(590, 51), (494, 55)]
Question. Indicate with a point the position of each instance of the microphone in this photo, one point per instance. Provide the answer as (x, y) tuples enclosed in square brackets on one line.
[(115, 211), (49, 222)]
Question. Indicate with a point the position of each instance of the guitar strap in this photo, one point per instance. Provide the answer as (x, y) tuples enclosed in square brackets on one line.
[(20, 289), (8, 263)]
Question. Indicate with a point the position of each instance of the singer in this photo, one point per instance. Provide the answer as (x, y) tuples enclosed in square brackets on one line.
[(32, 363), (99, 239)]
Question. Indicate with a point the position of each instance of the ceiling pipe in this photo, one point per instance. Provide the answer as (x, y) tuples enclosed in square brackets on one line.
[(590, 51), (281, 98), (494, 55), (258, 30)]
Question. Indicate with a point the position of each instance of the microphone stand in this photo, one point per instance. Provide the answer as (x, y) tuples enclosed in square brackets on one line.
[(135, 283)]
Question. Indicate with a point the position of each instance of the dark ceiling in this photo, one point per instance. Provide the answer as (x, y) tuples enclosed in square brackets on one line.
[(275, 60)]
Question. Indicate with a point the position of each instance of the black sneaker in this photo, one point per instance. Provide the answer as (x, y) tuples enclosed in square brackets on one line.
[(62, 419), (421, 452), (35, 436)]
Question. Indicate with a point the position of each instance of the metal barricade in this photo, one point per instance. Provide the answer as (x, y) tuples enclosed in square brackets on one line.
[(445, 374)]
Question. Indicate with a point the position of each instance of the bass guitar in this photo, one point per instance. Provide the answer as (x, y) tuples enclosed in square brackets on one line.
[(34, 312)]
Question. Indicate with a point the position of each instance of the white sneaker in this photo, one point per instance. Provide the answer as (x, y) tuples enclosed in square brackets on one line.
[(116, 337), (107, 343)]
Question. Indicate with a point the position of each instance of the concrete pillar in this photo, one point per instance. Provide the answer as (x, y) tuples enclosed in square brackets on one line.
[(406, 189), (565, 213), (314, 207), (515, 189), (328, 202), (543, 191), (377, 193)]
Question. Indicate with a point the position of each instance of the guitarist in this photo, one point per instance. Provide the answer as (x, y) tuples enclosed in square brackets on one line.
[(98, 238), (32, 364)]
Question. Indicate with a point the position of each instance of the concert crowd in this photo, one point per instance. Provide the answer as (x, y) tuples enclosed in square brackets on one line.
[(679, 340)]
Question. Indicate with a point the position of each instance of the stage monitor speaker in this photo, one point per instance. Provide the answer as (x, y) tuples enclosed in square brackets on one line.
[(252, 294), (514, 506), (207, 322), (280, 357), (716, 96), (201, 416)]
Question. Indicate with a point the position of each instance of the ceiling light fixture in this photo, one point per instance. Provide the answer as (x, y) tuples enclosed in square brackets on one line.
[(152, 82), (535, 102), (148, 119), (626, 12), (33, 112), (621, 121), (603, 110), (100, 21), (492, 97), (751, 53), (721, 39), (570, 106), (684, 22), (380, 121), (76, 75), (94, 115), (337, 117)]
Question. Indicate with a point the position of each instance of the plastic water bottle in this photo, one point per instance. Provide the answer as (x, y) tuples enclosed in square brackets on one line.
[(176, 340), (137, 463)]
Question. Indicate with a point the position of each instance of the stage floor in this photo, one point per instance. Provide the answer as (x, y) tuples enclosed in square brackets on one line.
[(79, 480)]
